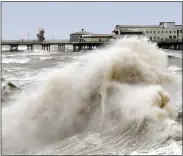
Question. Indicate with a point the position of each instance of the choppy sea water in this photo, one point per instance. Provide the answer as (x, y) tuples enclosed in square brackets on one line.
[(43, 117)]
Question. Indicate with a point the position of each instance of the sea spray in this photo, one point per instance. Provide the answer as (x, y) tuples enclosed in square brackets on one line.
[(111, 88)]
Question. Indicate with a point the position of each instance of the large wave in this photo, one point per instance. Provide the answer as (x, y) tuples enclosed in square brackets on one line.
[(120, 90)]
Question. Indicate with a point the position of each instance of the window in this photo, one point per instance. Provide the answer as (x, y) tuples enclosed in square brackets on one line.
[(166, 31), (150, 31), (147, 32), (177, 31), (150, 38), (158, 31), (174, 37), (170, 31), (170, 37), (180, 31), (154, 37), (162, 39), (162, 31), (174, 31), (158, 38), (154, 32)]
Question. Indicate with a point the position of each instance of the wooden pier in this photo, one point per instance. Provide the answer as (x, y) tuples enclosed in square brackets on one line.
[(77, 46), (171, 44)]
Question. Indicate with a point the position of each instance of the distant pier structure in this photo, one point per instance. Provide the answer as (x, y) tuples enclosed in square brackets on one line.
[(40, 36), (167, 35)]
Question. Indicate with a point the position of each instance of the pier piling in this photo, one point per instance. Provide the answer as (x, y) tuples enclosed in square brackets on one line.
[(59, 47), (13, 47)]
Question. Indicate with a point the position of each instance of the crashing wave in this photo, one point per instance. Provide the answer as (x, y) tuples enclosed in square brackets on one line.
[(116, 90)]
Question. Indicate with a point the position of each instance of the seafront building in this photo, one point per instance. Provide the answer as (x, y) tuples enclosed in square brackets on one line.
[(84, 36), (97, 38), (162, 32), (75, 37)]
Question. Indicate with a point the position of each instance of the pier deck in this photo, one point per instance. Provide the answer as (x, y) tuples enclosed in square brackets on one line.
[(77, 46), (56, 42)]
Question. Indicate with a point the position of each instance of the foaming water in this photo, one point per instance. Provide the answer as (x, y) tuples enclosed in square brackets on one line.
[(174, 54), (11, 60), (119, 91), (7, 48), (174, 68)]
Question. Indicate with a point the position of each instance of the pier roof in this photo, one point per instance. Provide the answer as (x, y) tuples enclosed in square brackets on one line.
[(125, 27), (81, 33), (99, 35), (139, 26), (128, 30)]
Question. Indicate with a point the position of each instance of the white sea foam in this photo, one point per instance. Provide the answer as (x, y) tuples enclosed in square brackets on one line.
[(174, 54), (15, 60), (119, 90), (174, 68), (6, 48)]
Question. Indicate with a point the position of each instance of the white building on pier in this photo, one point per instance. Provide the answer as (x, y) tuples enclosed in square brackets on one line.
[(97, 38), (163, 31)]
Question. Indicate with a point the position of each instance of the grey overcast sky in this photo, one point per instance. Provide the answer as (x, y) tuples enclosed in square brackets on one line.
[(62, 18)]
